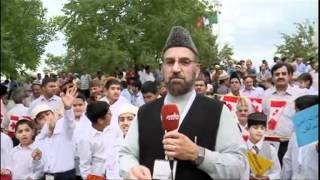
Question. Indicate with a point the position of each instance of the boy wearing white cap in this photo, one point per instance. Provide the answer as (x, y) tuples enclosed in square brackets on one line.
[(55, 138), (126, 115)]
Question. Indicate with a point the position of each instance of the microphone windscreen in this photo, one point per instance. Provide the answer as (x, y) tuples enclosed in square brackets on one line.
[(170, 117)]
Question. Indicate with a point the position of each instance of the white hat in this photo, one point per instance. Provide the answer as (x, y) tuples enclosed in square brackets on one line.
[(223, 76), (128, 108), (38, 109)]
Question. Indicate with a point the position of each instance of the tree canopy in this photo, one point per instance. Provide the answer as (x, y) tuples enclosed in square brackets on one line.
[(300, 43), (24, 34), (105, 35)]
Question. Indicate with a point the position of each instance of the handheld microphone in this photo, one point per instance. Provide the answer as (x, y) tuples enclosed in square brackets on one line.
[(170, 117), (170, 121)]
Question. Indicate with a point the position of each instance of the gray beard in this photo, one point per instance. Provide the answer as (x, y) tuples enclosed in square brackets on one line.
[(177, 89)]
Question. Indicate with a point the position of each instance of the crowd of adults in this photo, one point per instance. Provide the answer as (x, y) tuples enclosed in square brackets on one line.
[(77, 125)]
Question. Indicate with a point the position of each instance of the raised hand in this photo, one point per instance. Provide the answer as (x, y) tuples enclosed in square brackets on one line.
[(69, 97)]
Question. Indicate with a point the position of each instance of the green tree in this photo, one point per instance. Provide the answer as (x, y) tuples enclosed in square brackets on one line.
[(225, 54), (24, 34), (299, 43), (55, 63), (105, 35)]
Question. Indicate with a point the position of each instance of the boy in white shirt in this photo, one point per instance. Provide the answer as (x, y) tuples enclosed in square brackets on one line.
[(257, 123), (301, 162), (55, 139), (92, 148), (25, 159), (6, 148)]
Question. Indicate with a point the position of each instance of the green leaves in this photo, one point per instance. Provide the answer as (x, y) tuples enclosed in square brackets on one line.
[(300, 43), (119, 33), (24, 34)]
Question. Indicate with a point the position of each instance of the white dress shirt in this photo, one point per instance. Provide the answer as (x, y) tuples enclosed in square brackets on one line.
[(57, 150), (228, 161), (275, 171), (253, 92), (81, 130), (300, 162), (6, 148), (54, 103), (22, 165), (93, 151), (136, 100), (285, 125)]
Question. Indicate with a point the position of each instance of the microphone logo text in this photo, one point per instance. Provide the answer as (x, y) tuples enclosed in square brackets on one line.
[(173, 117)]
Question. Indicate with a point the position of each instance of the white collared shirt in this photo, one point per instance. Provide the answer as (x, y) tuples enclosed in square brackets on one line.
[(54, 102), (6, 148), (22, 165), (93, 151), (285, 125), (275, 171), (58, 150), (134, 99), (81, 130), (300, 162), (253, 92)]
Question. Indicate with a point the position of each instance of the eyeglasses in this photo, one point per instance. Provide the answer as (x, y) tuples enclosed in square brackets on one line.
[(242, 110), (182, 62)]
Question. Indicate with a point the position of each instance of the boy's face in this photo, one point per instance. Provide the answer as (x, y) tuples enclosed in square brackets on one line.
[(125, 120), (113, 92), (24, 134), (242, 114), (148, 97), (105, 121), (303, 84), (78, 107), (256, 132), (43, 117)]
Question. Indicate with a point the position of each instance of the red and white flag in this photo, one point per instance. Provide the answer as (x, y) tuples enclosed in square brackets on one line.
[(256, 104), (231, 102), (276, 108), (14, 120)]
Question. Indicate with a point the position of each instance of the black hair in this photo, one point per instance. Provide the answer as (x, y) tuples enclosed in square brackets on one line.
[(45, 81), (280, 65), (3, 90), (25, 121), (306, 101), (257, 118), (96, 110), (149, 86), (234, 75), (133, 81), (112, 82), (306, 77), (81, 96)]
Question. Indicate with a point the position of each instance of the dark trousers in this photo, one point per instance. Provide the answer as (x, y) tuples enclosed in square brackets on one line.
[(282, 150), (67, 175)]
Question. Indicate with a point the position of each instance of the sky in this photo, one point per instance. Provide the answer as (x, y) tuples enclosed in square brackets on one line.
[(251, 27)]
